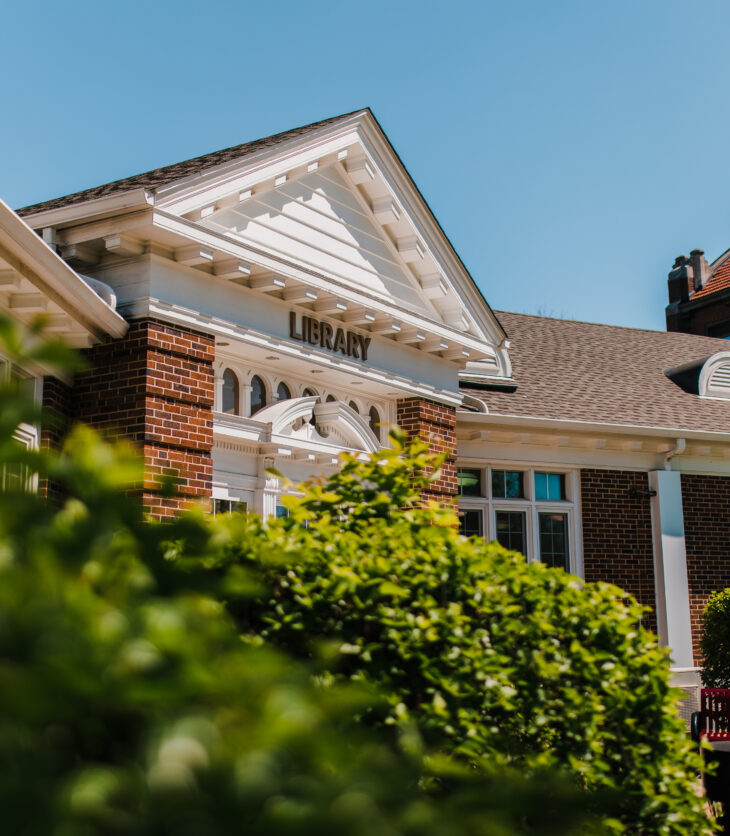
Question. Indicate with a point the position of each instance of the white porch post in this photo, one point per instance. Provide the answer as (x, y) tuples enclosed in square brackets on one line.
[(670, 567)]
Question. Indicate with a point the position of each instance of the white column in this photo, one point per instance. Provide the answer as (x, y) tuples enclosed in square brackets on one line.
[(670, 567), (269, 488)]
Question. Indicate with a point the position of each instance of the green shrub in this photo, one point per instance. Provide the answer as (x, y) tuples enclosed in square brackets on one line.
[(490, 657), (715, 640), (129, 704)]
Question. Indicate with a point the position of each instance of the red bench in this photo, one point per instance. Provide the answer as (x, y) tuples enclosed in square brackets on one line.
[(712, 721)]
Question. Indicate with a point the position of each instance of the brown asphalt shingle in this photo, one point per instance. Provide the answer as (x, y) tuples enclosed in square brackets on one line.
[(158, 177), (579, 371)]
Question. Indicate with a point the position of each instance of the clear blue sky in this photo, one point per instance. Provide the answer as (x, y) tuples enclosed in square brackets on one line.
[(570, 149)]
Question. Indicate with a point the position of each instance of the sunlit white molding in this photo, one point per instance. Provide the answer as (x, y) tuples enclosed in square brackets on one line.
[(312, 355)]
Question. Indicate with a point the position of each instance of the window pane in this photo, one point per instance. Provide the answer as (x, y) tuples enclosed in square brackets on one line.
[(469, 481), (281, 511), (511, 530), (470, 523), (258, 394), (374, 421), (550, 486), (283, 393), (309, 393), (230, 393), (554, 540), (353, 407), (508, 484), (228, 506)]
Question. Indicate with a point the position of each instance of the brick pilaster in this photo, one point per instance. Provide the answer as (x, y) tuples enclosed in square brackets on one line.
[(155, 387), (57, 409), (435, 423), (617, 534), (706, 503)]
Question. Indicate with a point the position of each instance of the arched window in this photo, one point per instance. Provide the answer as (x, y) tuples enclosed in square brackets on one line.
[(283, 393), (353, 405), (309, 393), (258, 394), (330, 398), (374, 421), (230, 395)]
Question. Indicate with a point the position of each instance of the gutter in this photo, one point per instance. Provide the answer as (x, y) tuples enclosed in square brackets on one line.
[(21, 247), (558, 424)]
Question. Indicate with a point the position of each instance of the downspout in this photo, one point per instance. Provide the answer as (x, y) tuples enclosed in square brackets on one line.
[(677, 450)]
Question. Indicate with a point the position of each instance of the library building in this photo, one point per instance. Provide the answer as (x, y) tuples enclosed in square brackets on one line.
[(282, 301)]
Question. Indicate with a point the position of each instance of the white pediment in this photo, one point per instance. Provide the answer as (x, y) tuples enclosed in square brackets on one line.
[(335, 208), (323, 221), (334, 423)]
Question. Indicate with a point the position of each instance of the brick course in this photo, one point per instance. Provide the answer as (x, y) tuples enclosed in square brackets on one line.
[(57, 408), (617, 535), (436, 424), (155, 386), (706, 502)]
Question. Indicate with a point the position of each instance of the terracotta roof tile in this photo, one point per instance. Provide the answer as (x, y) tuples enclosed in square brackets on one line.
[(718, 281), (159, 177), (579, 371)]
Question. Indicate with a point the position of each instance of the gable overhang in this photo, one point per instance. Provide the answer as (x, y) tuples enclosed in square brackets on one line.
[(35, 280), (456, 323)]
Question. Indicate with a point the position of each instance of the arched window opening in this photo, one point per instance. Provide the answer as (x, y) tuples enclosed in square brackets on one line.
[(283, 393), (353, 406), (331, 398), (309, 393), (231, 393), (258, 394), (374, 421)]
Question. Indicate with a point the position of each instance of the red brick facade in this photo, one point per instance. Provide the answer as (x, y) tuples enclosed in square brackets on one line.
[(57, 408), (706, 502), (155, 386), (436, 424), (617, 535)]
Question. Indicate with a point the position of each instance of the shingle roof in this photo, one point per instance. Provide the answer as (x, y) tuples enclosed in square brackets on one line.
[(579, 371), (158, 177)]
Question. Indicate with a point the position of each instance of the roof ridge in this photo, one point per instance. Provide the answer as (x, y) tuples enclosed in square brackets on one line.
[(611, 325), (163, 175)]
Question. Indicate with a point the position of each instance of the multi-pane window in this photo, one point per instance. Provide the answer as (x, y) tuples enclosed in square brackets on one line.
[(230, 398), (508, 484), (228, 506), (470, 523), (510, 530), (550, 486), (554, 540), (469, 481), (258, 394), (531, 511), (16, 476)]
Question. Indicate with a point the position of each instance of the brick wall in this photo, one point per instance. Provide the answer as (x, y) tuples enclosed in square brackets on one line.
[(57, 408), (706, 502), (155, 386), (436, 424), (617, 536), (698, 319)]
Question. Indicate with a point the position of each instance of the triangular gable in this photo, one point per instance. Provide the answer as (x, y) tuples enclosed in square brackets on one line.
[(361, 183), (324, 220), (326, 212)]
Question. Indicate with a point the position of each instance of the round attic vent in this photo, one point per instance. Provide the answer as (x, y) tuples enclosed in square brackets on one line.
[(715, 377)]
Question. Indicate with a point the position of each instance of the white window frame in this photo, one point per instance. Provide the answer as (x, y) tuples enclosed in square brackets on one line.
[(531, 506), (26, 434)]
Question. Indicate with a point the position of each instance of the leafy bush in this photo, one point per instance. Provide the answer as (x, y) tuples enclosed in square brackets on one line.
[(491, 657), (715, 640), (129, 704)]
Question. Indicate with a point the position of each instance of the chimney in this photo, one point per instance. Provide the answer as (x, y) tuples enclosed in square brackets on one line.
[(700, 273), (680, 279)]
